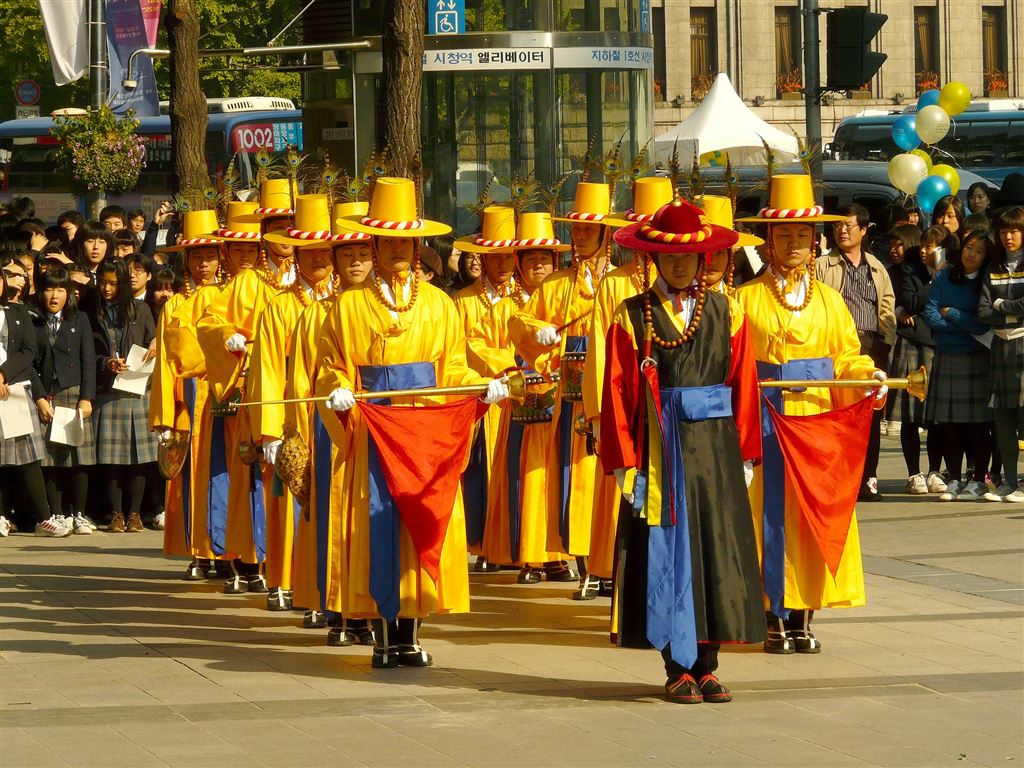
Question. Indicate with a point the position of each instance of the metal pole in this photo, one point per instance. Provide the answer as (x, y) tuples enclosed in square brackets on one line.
[(812, 90), (99, 82)]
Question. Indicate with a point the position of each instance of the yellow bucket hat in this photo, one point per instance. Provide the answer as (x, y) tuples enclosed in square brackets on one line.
[(536, 232), (393, 213), (592, 203), (791, 200), (238, 228), (649, 194), (197, 228), (718, 210), (497, 232), (312, 223)]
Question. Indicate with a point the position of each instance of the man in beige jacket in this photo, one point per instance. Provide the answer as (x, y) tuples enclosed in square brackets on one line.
[(865, 286)]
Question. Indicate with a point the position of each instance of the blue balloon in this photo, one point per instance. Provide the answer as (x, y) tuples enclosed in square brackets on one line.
[(904, 133), (930, 191), (927, 98)]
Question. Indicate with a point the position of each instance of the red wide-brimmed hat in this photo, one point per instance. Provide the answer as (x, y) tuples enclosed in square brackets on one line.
[(677, 227)]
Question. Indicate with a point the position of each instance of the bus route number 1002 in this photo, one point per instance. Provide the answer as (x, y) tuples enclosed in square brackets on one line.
[(253, 137)]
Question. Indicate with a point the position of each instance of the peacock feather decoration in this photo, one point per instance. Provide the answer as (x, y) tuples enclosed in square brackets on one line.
[(696, 181), (675, 168), (732, 183), (227, 188), (484, 199), (611, 165), (640, 165), (325, 178), (552, 196), (586, 160), (267, 166), (525, 191)]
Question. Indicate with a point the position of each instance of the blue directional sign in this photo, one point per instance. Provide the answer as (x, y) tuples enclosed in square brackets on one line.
[(446, 17)]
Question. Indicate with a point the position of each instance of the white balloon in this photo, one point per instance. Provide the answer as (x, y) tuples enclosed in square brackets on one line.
[(932, 124), (906, 171)]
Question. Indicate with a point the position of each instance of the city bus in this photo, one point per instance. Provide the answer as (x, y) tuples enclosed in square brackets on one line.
[(235, 128), (987, 139)]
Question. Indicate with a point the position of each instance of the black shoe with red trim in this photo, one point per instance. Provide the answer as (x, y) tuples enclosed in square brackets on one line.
[(683, 690), (713, 691)]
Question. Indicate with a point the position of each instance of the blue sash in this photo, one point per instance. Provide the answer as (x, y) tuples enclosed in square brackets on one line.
[(513, 465), (322, 481), (384, 519), (670, 610), (217, 496), (189, 389), (774, 474), (258, 511), (474, 487), (565, 438)]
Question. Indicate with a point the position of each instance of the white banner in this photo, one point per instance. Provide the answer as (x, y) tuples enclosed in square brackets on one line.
[(66, 26)]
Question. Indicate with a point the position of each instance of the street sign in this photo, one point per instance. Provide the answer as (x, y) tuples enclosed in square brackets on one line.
[(27, 93), (24, 113), (446, 17)]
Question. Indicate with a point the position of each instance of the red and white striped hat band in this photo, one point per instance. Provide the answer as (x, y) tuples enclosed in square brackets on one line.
[(792, 213), (494, 243), (657, 236), (232, 235), (575, 216), (299, 234), (199, 241), (398, 226), (537, 242), (349, 237), (274, 212)]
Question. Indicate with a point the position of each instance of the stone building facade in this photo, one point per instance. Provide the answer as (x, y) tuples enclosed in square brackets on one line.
[(759, 44)]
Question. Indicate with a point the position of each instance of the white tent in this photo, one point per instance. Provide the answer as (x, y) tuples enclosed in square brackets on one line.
[(723, 122)]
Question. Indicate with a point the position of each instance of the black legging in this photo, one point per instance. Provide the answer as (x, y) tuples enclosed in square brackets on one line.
[(125, 480), (1009, 423), (23, 487), (974, 440), (910, 442), (66, 489)]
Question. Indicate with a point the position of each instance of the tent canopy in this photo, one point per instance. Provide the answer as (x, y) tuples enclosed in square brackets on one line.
[(724, 123)]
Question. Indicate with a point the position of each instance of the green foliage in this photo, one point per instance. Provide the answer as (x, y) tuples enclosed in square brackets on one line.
[(100, 152)]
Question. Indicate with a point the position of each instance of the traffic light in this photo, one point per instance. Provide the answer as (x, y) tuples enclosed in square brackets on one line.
[(850, 62)]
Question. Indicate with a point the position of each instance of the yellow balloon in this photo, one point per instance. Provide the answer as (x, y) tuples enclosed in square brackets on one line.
[(954, 97), (924, 156), (948, 173)]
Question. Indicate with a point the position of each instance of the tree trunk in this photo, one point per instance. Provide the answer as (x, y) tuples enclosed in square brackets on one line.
[(188, 104), (402, 80)]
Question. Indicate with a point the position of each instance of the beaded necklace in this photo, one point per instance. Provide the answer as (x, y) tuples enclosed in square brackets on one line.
[(506, 289), (596, 279), (641, 273), (773, 283), (650, 335), (378, 290)]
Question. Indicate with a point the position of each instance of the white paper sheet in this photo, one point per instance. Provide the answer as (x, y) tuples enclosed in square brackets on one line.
[(136, 378), (16, 412), (67, 427)]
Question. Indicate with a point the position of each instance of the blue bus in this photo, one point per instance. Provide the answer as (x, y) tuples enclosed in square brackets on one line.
[(30, 169), (988, 142)]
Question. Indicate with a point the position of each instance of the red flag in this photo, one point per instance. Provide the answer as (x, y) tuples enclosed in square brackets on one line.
[(423, 453), (824, 458)]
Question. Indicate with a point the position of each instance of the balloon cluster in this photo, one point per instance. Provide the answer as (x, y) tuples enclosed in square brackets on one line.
[(912, 171)]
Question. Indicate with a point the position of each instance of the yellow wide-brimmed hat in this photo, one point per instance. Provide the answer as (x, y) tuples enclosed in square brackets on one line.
[(237, 229), (592, 204), (197, 228), (312, 224), (718, 210), (649, 194), (497, 232), (275, 200), (535, 232), (791, 200), (341, 236), (393, 213)]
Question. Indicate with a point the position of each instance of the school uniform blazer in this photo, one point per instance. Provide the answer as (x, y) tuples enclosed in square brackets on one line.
[(21, 349), (71, 360), (141, 331)]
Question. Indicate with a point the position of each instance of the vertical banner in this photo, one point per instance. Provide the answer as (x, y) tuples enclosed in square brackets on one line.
[(67, 35), (128, 28)]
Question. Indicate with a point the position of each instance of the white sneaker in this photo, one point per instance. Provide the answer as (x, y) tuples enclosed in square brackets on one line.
[(916, 484), (935, 483), (1017, 497), (87, 520), (52, 526), (69, 521), (999, 493), (895, 428), (5, 527), (952, 491), (158, 522), (80, 525), (973, 491)]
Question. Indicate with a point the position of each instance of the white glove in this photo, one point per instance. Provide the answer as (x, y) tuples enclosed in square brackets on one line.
[(748, 472), (164, 436), (341, 400), (235, 343), (547, 336), (270, 450), (497, 390), (882, 390)]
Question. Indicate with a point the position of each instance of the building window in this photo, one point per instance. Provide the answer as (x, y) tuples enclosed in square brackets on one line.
[(660, 69), (787, 49), (993, 49), (926, 48), (703, 51)]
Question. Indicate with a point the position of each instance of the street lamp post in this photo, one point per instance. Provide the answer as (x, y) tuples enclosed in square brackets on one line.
[(99, 83)]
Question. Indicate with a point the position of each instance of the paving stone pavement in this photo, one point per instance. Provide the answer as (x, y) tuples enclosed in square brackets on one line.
[(107, 658)]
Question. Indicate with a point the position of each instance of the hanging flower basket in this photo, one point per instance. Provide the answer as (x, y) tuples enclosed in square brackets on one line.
[(100, 152)]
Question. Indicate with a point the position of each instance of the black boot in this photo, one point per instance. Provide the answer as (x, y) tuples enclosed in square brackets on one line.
[(778, 641), (410, 653), (385, 655), (798, 630)]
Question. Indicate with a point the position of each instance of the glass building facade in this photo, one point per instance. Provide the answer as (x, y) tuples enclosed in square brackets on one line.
[(522, 90)]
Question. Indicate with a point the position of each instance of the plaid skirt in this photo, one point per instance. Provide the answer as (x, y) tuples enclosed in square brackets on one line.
[(60, 455), (1007, 373), (18, 451), (122, 429), (959, 389), (907, 357)]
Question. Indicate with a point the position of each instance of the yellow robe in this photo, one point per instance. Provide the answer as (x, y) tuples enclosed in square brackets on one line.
[(236, 309), (490, 353), (564, 297), (179, 358), (824, 329), (359, 330), (268, 369), (471, 311)]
